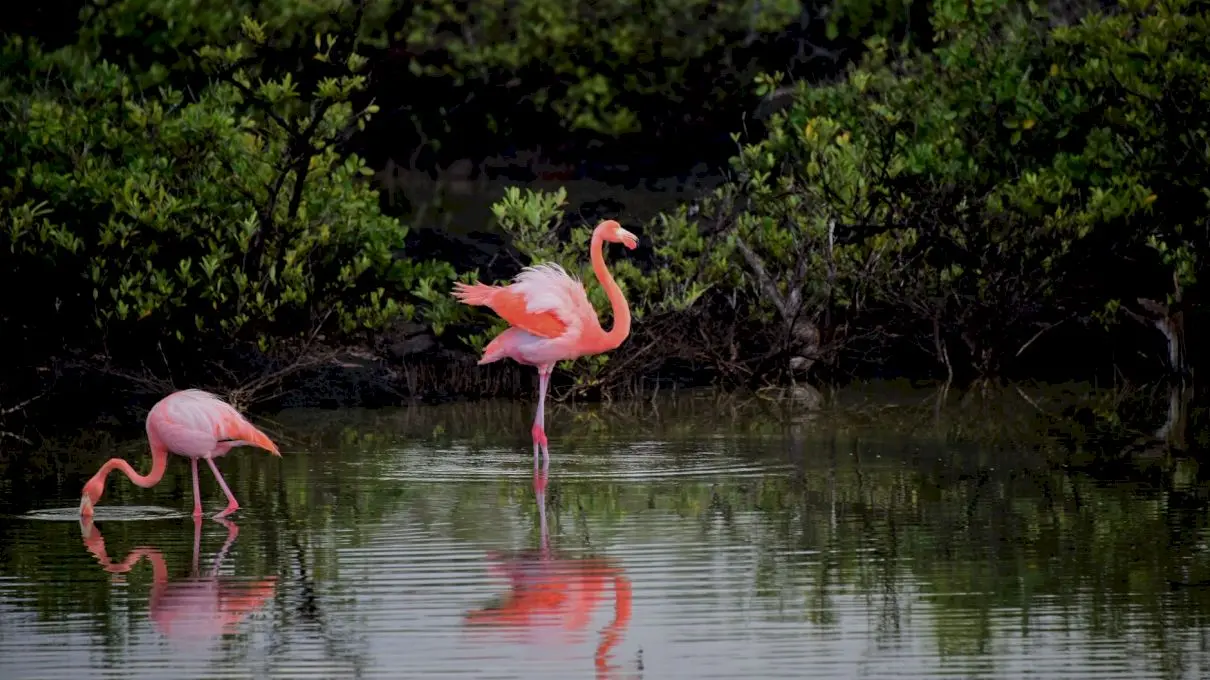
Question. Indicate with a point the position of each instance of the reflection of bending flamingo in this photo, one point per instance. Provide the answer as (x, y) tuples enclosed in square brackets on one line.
[(548, 588), (198, 607)]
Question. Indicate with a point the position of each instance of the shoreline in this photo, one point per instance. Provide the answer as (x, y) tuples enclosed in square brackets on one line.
[(1008, 415)]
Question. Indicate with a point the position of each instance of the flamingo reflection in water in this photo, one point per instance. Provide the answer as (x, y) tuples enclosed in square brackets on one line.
[(548, 588), (200, 607)]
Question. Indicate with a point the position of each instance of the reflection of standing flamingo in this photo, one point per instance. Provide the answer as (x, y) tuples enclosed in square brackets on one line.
[(548, 588), (552, 319), (199, 607), (193, 424)]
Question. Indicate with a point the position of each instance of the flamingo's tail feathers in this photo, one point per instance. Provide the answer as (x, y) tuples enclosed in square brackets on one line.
[(473, 293), (250, 436)]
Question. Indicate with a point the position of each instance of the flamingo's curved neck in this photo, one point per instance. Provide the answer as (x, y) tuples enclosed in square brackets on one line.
[(612, 634), (621, 310), (95, 543), (159, 462)]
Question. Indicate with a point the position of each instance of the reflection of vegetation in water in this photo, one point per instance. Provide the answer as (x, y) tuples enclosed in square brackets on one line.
[(306, 562), (1001, 416), (1099, 558), (970, 544), (914, 512), (292, 514)]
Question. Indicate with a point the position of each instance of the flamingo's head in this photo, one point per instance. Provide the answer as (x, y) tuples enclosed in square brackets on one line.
[(614, 233), (92, 493)]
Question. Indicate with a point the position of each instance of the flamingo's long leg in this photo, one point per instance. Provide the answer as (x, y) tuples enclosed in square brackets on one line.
[(539, 429), (197, 493), (232, 504)]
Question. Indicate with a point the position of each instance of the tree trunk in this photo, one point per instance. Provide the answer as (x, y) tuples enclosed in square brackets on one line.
[(1169, 320), (1173, 432)]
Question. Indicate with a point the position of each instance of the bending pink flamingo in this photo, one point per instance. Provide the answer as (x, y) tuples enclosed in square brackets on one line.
[(552, 319), (190, 423)]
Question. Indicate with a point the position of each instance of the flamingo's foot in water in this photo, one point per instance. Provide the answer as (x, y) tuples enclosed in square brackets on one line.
[(539, 435), (197, 511), (231, 507), (540, 442)]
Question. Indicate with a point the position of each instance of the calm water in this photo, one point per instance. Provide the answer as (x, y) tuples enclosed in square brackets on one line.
[(691, 542)]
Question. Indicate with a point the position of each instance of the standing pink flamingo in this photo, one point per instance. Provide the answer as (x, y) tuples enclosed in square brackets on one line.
[(191, 423), (552, 319)]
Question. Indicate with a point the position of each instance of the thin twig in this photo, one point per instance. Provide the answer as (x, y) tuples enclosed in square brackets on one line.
[(1038, 335)]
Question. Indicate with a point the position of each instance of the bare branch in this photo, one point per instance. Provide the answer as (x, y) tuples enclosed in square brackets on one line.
[(1036, 336), (767, 285)]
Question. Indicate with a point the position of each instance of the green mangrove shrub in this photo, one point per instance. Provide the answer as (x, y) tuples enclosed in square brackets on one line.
[(176, 220), (590, 66), (959, 203), (1001, 184)]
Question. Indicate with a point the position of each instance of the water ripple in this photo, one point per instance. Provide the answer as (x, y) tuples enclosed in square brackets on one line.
[(640, 461), (105, 513), (698, 563)]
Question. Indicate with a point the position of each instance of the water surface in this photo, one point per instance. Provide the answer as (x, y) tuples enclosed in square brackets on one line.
[(695, 541)]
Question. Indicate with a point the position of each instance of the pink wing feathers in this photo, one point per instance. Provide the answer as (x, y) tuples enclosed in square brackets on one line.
[(196, 423), (511, 307), (543, 300), (547, 288)]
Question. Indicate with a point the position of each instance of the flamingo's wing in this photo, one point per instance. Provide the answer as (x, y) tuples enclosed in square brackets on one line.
[(183, 437), (547, 289), (514, 307)]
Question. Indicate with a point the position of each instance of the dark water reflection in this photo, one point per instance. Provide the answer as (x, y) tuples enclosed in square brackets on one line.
[(197, 607), (693, 543)]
